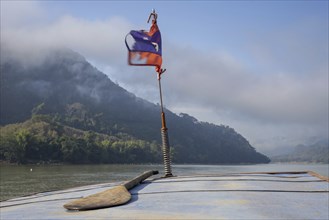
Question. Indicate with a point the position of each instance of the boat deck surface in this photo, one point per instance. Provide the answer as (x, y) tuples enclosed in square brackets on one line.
[(291, 195)]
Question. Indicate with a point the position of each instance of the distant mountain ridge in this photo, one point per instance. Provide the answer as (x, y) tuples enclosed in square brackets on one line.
[(69, 91), (317, 152)]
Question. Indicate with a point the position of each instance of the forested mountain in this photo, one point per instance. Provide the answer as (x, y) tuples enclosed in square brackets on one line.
[(313, 153), (65, 93)]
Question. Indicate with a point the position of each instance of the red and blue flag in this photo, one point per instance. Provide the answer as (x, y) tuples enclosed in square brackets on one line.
[(144, 48)]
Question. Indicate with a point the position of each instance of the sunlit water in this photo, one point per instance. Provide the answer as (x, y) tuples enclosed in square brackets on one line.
[(28, 179)]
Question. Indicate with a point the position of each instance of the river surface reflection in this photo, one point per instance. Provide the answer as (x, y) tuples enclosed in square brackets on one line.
[(20, 180)]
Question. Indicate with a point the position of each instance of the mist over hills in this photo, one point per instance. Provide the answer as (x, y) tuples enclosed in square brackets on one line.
[(317, 152), (63, 93)]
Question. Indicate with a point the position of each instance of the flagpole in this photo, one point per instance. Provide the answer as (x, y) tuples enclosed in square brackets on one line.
[(155, 60), (164, 134), (164, 129)]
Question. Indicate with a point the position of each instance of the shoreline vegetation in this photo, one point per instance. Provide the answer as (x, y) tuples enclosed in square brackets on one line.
[(44, 140), (41, 163)]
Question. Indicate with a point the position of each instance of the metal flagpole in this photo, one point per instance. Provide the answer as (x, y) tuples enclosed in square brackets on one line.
[(164, 133), (164, 130), (148, 56)]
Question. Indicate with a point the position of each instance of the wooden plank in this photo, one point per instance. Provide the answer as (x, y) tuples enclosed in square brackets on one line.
[(118, 195)]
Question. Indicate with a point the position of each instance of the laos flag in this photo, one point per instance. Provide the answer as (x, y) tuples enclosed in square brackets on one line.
[(144, 48)]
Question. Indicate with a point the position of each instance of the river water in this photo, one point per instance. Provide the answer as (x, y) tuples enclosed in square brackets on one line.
[(29, 179)]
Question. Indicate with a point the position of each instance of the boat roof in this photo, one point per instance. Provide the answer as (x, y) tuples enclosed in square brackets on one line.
[(280, 195)]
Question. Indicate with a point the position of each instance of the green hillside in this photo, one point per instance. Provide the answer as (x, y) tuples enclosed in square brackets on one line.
[(42, 139), (68, 95)]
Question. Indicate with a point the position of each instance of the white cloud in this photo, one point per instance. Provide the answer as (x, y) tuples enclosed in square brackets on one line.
[(227, 85), (102, 40), (18, 14)]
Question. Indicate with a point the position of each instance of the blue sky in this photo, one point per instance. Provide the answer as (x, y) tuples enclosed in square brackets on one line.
[(260, 67), (191, 20)]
